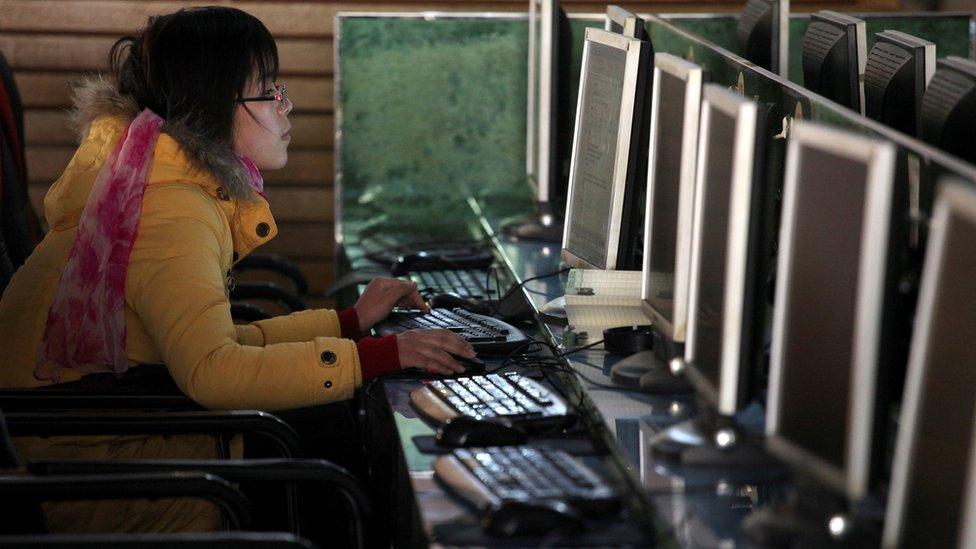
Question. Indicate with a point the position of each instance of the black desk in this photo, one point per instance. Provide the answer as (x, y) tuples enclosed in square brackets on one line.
[(686, 507)]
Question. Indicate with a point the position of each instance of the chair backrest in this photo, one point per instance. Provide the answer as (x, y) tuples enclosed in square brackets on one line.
[(16, 517), (21, 229), (8, 455)]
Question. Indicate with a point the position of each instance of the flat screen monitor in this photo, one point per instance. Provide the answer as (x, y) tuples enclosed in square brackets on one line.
[(672, 154), (625, 22), (545, 145), (935, 434), (764, 33), (605, 161), (898, 69), (834, 52), (543, 102), (725, 303), (831, 272), (949, 108)]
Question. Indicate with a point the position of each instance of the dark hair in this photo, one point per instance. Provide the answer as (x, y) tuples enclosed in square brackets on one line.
[(193, 64)]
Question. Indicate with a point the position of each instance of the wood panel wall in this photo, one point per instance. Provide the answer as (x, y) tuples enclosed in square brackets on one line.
[(49, 43)]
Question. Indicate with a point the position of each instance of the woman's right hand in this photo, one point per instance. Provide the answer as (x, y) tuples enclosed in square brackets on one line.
[(432, 350)]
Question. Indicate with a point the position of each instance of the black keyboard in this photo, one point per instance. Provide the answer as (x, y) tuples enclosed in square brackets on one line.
[(510, 395), (467, 283), (487, 335), (489, 477)]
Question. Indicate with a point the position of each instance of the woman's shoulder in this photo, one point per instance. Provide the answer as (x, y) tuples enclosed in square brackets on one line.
[(183, 199)]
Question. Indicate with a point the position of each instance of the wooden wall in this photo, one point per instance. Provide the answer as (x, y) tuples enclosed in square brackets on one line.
[(51, 42)]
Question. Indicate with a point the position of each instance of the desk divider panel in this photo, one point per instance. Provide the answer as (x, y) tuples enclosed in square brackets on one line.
[(431, 111)]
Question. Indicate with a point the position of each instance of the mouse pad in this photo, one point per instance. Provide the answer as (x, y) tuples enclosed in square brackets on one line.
[(427, 444)]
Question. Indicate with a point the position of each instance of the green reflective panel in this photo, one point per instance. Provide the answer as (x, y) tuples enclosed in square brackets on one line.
[(719, 29), (431, 111)]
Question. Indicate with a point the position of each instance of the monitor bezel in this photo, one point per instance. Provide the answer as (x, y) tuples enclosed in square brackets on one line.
[(726, 398), (628, 21), (783, 38), (879, 157), (922, 51), (859, 48), (546, 115), (632, 48), (531, 167), (693, 76), (955, 198), (780, 43)]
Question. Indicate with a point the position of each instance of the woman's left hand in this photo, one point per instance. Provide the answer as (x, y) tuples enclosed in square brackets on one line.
[(381, 295)]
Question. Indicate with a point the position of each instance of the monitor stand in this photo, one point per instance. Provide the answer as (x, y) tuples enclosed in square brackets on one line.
[(693, 444), (811, 517), (649, 372)]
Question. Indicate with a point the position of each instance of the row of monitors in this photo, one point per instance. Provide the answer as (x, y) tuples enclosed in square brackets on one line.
[(889, 84), (705, 265)]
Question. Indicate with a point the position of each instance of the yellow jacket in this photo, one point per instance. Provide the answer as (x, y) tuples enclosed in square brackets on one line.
[(176, 313), (177, 310)]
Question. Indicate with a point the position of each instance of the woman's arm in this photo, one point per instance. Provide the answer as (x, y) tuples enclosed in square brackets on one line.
[(177, 288), (297, 326)]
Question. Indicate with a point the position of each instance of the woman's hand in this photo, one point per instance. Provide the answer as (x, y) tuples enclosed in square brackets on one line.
[(381, 295), (431, 350)]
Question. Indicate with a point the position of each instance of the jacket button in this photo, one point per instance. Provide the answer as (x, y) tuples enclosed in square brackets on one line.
[(328, 384), (263, 229), (222, 194), (328, 357)]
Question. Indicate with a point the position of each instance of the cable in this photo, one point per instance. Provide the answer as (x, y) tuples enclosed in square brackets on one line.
[(497, 303)]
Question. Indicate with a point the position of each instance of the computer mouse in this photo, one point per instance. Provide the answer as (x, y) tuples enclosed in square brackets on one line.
[(464, 431), (532, 518), (472, 366), (452, 301)]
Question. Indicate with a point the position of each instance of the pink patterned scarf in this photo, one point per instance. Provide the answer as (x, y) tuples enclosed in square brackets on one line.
[(85, 327)]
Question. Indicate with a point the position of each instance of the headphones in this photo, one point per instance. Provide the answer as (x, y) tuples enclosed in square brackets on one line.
[(627, 340)]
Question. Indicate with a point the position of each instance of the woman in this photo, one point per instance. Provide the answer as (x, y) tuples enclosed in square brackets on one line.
[(163, 195)]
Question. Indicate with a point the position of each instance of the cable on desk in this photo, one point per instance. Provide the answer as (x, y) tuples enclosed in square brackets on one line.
[(514, 287)]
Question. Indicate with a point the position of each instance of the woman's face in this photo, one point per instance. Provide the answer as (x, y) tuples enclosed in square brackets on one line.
[(261, 128)]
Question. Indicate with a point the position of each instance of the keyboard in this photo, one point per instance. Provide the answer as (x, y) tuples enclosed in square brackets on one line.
[(487, 335), (489, 477), (510, 395), (467, 283)]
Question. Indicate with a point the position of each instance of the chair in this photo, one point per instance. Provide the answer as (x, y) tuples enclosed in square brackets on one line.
[(21, 495), (293, 472), (208, 540)]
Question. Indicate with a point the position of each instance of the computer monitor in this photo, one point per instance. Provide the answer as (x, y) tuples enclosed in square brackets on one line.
[(949, 108), (725, 301), (935, 434), (834, 52), (547, 68), (831, 280), (764, 34), (897, 71), (672, 154), (729, 269), (605, 160), (625, 22)]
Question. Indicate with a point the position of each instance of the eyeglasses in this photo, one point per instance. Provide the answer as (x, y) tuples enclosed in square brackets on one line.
[(283, 102)]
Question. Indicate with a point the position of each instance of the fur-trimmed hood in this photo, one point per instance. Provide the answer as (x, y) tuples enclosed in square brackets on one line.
[(96, 97)]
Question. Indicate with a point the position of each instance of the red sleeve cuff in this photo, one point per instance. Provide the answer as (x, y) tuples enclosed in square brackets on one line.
[(349, 324), (378, 356)]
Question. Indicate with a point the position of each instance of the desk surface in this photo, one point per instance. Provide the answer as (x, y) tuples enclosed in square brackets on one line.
[(699, 508)]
